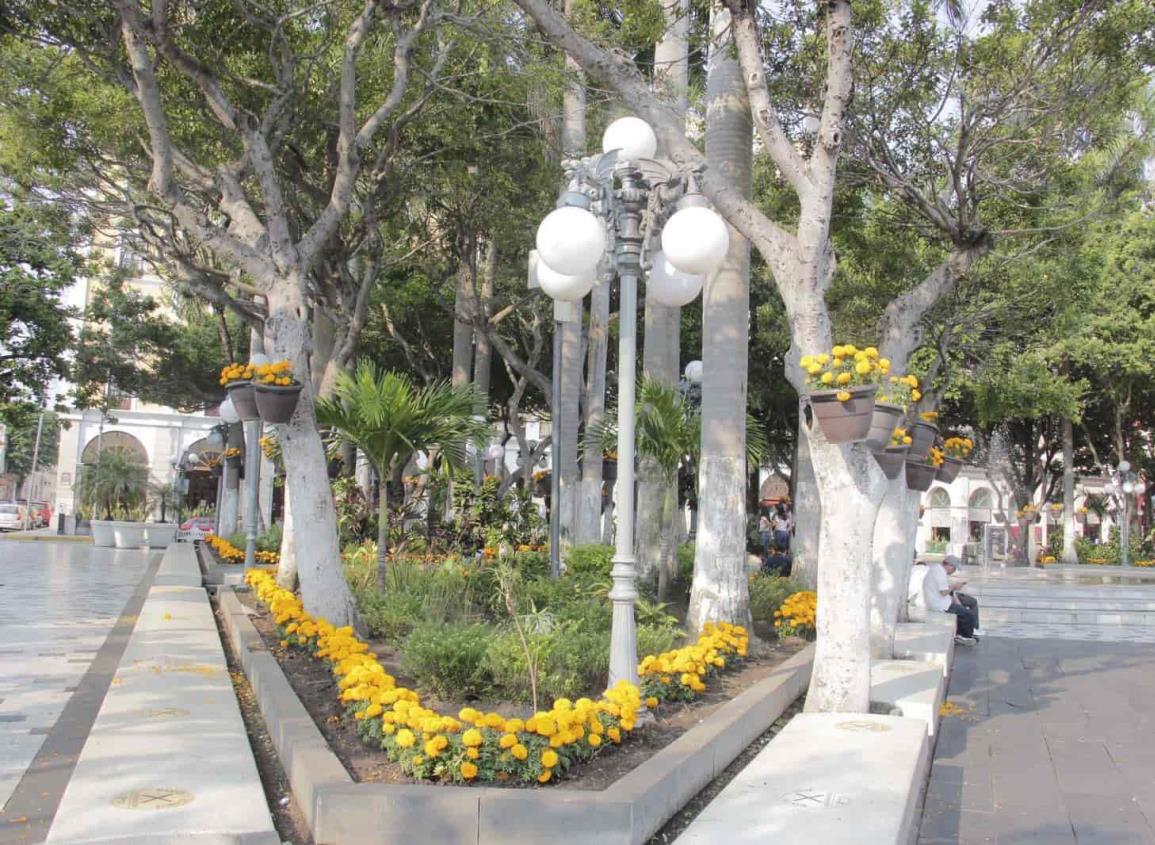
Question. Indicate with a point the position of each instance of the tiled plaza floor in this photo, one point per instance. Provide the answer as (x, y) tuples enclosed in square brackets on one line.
[(1053, 742), (58, 603)]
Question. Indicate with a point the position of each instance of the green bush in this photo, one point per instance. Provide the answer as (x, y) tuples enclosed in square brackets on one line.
[(449, 659), (594, 559), (686, 563), (531, 564), (767, 592), (390, 616)]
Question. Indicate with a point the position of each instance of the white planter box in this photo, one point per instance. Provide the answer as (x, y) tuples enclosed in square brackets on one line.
[(129, 535), (102, 533)]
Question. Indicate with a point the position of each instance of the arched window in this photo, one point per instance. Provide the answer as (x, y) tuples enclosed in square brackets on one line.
[(982, 499), (938, 498), (114, 441)]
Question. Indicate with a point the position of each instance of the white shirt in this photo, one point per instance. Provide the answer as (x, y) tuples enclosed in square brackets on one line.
[(914, 595), (932, 586)]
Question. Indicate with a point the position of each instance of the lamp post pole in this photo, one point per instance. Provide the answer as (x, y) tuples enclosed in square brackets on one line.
[(252, 477)]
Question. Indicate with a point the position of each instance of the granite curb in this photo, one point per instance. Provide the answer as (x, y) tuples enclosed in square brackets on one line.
[(628, 812)]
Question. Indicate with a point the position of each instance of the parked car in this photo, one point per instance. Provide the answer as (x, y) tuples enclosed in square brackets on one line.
[(11, 516), (195, 528), (43, 511)]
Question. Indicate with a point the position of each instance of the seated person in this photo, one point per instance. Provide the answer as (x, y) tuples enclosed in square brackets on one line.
[(777, 561), (939, 597), (951, 564)]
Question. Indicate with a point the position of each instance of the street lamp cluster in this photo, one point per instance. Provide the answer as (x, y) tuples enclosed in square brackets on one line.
[(252, 428), (607, 223), (1123, 485)]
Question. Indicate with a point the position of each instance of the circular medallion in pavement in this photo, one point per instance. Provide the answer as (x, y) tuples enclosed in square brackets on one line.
[(153, 798), (165, 713), (863, 726)]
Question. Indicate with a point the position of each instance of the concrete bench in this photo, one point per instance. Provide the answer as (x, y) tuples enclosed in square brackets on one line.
[(913, 687), (931, 641), (830, 778), (179, 567), (167, 759)]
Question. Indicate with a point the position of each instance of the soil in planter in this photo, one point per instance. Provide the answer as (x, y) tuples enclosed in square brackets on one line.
[(314, 685)]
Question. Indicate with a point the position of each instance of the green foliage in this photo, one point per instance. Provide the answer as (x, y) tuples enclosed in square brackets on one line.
[(449, 658), (767, 592), (594, 559), (486, 517), (686, 563), (21, 418), (114, 486), (268, 540), (1110, 551)]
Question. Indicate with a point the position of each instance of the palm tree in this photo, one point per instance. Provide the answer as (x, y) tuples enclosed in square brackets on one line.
[(667, 433), (115, 484), (389, 418)]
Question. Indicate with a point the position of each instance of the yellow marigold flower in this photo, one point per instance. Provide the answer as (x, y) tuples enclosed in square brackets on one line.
[(418, 760), (468, 770), (519, 751), (545, 776), (472, 753), (514, 725), (406, 738), (843, 378), (471, 738), (843, 396), (652, 702), (614, 734), (594, 740), (549, 758), (507, 741), (827, 378), (862, 367), (494, 720), (431, 749)]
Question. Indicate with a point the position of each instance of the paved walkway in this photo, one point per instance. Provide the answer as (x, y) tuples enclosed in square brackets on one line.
[(1055, 745), (65, 614)]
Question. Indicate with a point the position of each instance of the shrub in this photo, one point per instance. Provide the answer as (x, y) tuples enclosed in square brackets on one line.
[(390, 616), (531, 564), (686, 563), (767, 592), (594, 559), (449, 659)]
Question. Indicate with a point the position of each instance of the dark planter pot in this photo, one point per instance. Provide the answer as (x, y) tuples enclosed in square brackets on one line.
[(883, 422), (244, 400), (949, 470), (844, 422), (919, 475), (217, 471), (609, 469), (892, 459), (922, 437), (277, 403), (541, 487)]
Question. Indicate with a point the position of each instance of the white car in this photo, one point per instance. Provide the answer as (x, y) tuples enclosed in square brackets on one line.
[(11, 516)]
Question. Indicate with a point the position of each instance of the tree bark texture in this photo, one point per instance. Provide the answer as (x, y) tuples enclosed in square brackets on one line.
[(589, 509), (568, 420), (482, 349), (890, 573), (382, 529), (462, 370), (1070, 555), (720, 591), (807, 512)]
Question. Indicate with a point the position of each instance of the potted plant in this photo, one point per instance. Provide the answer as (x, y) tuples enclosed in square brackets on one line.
[(277, 391), (923, 435), (895, 396), (842, 386), (955, 451), (609, 465), (115, 487), (893, 457), (237, 380), (920, 474)]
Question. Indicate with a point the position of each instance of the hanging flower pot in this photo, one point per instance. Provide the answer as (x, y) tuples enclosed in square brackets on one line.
[(919, 475), (892, 459), (844, 415), (883, 423), (541, 483), (923, 435), (244, 400), (277, 402), (949, 470)]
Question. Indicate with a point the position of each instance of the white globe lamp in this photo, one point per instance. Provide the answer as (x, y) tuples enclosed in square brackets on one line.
[(695, 239), (632, 137), (693, 372), (1128, 487), (571, 240), (1124, 466), (259, 359), (669, 286), (562, 286), (495, 452), (228, 411)]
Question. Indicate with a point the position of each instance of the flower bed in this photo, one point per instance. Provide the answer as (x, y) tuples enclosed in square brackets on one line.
[(476, 746), (228, 553), (796, 617)]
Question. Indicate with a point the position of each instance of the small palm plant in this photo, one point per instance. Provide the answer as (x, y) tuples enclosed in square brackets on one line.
[(389, 418), (115, 485)]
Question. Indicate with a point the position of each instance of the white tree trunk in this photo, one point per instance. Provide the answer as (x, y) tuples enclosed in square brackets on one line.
[(230, 499), (323, 588), (720, 591), (910, 532), (589, 506), (287, 565), (568, 421), (1070, 556), (850, 484), (807, 513), (462, 365), (890, 573), (482, 350)]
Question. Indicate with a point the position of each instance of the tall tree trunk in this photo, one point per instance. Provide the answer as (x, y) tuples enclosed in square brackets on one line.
[(382, 529), (589, 517), (323, 588), (287, 562), (807, 511), (482, 351), (661, 351), (720, 590), (890, 573), (567, 417), (668, 567), (1070, 556), (462, 328)]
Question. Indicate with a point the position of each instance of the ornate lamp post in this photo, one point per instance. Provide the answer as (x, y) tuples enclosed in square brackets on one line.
[(615, 203), (1124, 484)]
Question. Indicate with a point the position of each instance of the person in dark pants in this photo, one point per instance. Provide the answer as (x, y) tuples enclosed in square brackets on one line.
[(777, 562), (939, 597), (969, 603), (782, 526)]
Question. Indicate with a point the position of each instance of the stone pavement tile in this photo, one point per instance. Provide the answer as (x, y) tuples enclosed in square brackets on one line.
[(1085, 768), (1036, 831), (957, 788), (957, 827), (1108, 820)]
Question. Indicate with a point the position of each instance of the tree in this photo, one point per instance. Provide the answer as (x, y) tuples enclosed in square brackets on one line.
[(389, 418)]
